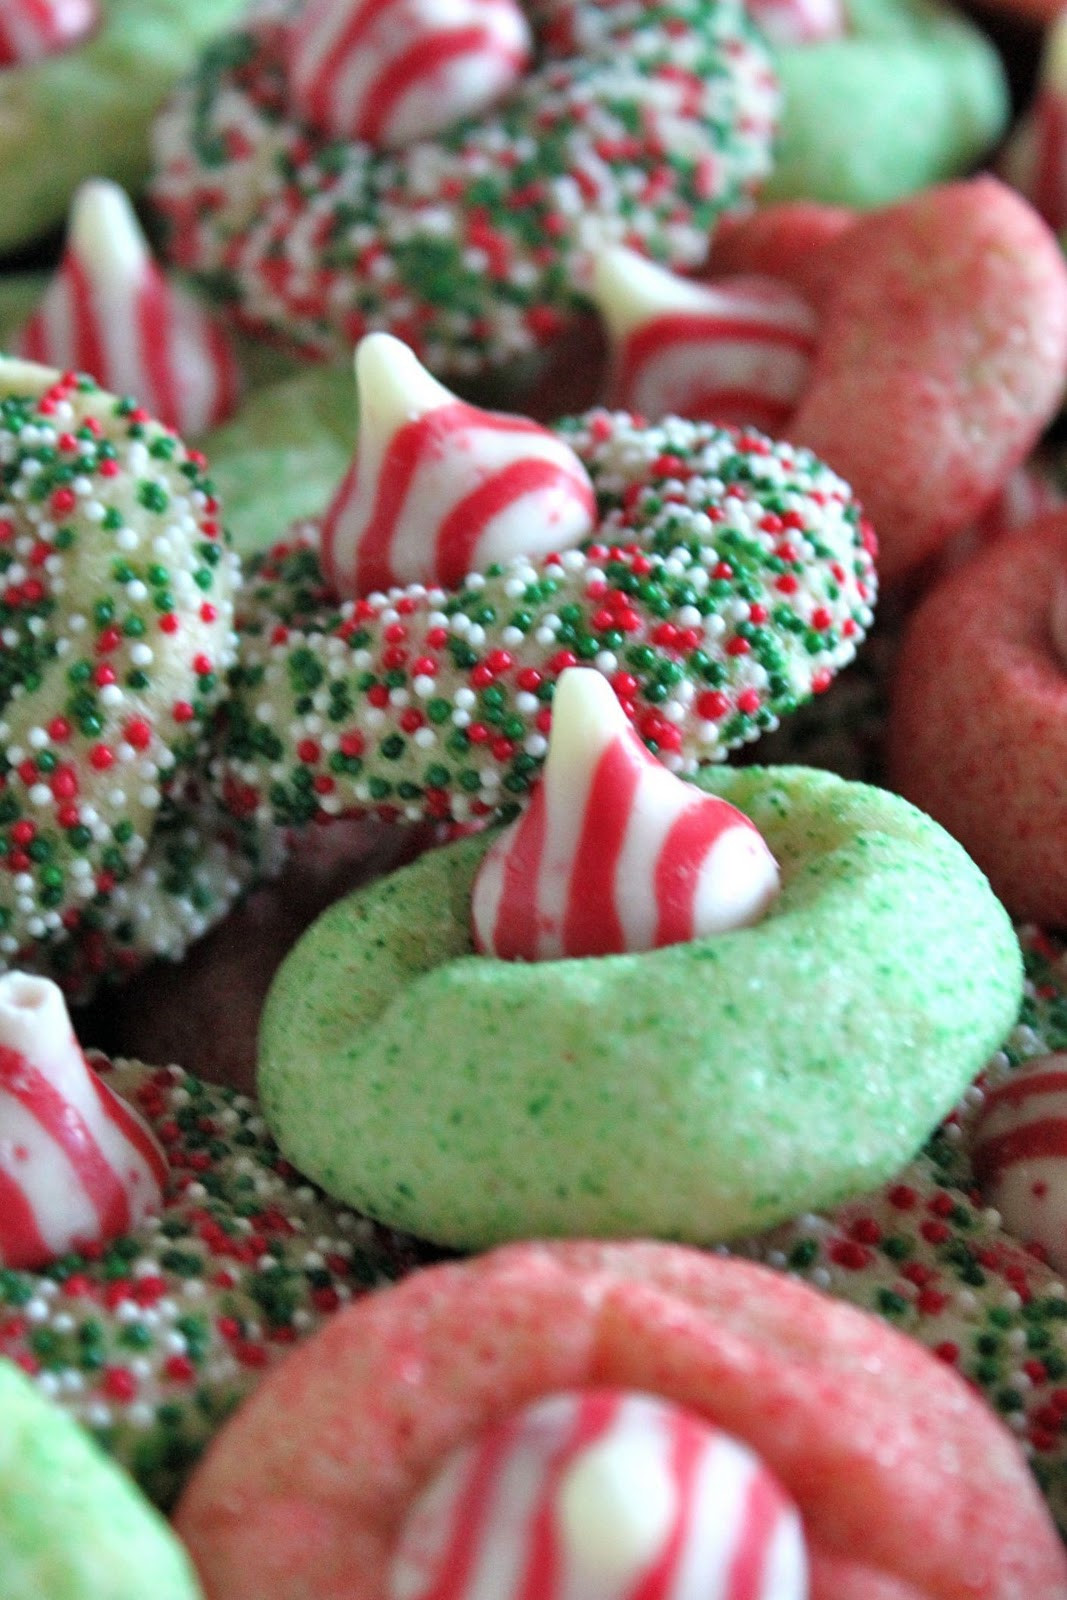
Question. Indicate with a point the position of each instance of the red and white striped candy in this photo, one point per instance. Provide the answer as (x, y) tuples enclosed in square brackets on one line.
[(789, 22), (388, 72), (111, 311), (1020, 1154), (33, 29), (736, 351), (1034, 160), (614, 852), (439, 488), (77, 1165), (601, 1495)]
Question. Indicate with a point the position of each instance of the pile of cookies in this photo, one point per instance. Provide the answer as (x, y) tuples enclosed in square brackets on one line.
[(649, 661)]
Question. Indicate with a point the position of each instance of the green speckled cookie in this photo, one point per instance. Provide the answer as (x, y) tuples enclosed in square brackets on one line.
[(86, 112), (72, 1524), (912, 95), (694, 1093)]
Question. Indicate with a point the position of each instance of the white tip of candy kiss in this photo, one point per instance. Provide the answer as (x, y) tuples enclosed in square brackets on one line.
[(439, 488), (614, 852), (736, 351), (33, 29), (1034, 158), (111, 311), (789, 22), (77, 1165), (1020, 1154), (389, 72), (601, 1496)]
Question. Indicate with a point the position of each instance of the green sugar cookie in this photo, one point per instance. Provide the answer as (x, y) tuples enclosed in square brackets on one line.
[(913, 94), (73, 1526), (86, 112), (695, 1093)]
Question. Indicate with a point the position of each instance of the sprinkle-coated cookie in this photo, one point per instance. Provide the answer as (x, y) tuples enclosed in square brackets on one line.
[(695, 1092), (72, 1525), (639, 124), (728, 578), (154, 1339), (116, 628), (85, 111)]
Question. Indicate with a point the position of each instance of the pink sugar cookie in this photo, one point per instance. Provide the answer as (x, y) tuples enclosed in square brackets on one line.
[(943, 355), (907, 1486), (978, 725)]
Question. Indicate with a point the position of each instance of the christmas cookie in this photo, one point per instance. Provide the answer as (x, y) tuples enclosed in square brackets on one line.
[(604, 1419), (158, 1254), (983, 750), (80, 81), (474, 244), (723, 580), (72, 1525), (117, 612), (696, 1090), (909, 94), (930, 1252)]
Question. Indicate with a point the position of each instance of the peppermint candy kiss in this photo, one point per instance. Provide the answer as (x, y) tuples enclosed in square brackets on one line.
[(788, 22), (111, 311), (77, 1165), (439, 488), (389, 72), (735, 351), (601, 1495), (614, 852), (1020, 1154), (33, 29), (1034, 160)]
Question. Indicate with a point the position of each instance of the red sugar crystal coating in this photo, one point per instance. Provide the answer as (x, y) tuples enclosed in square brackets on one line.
[(876, 1442)]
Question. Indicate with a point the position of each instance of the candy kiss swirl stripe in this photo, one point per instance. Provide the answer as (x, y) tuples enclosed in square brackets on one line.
[(615, 853), (111, 312), (602, 1493)]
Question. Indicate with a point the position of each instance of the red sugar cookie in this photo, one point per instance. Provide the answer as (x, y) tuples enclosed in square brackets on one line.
[(978, 725), (907, 1486)]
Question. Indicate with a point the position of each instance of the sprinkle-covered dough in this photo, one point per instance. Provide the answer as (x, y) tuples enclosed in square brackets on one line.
[(152, 1342), (639, 124), (116, 627), (695, 1092), (728, 578), (72, 1525)]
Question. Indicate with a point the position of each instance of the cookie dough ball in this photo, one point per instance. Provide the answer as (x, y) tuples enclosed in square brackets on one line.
[(72, 1525), (978, 726), (695, 1092)]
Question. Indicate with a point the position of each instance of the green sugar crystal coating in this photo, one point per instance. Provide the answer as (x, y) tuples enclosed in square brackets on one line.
[(912, 95), (695, 1093), (73, 1526)]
